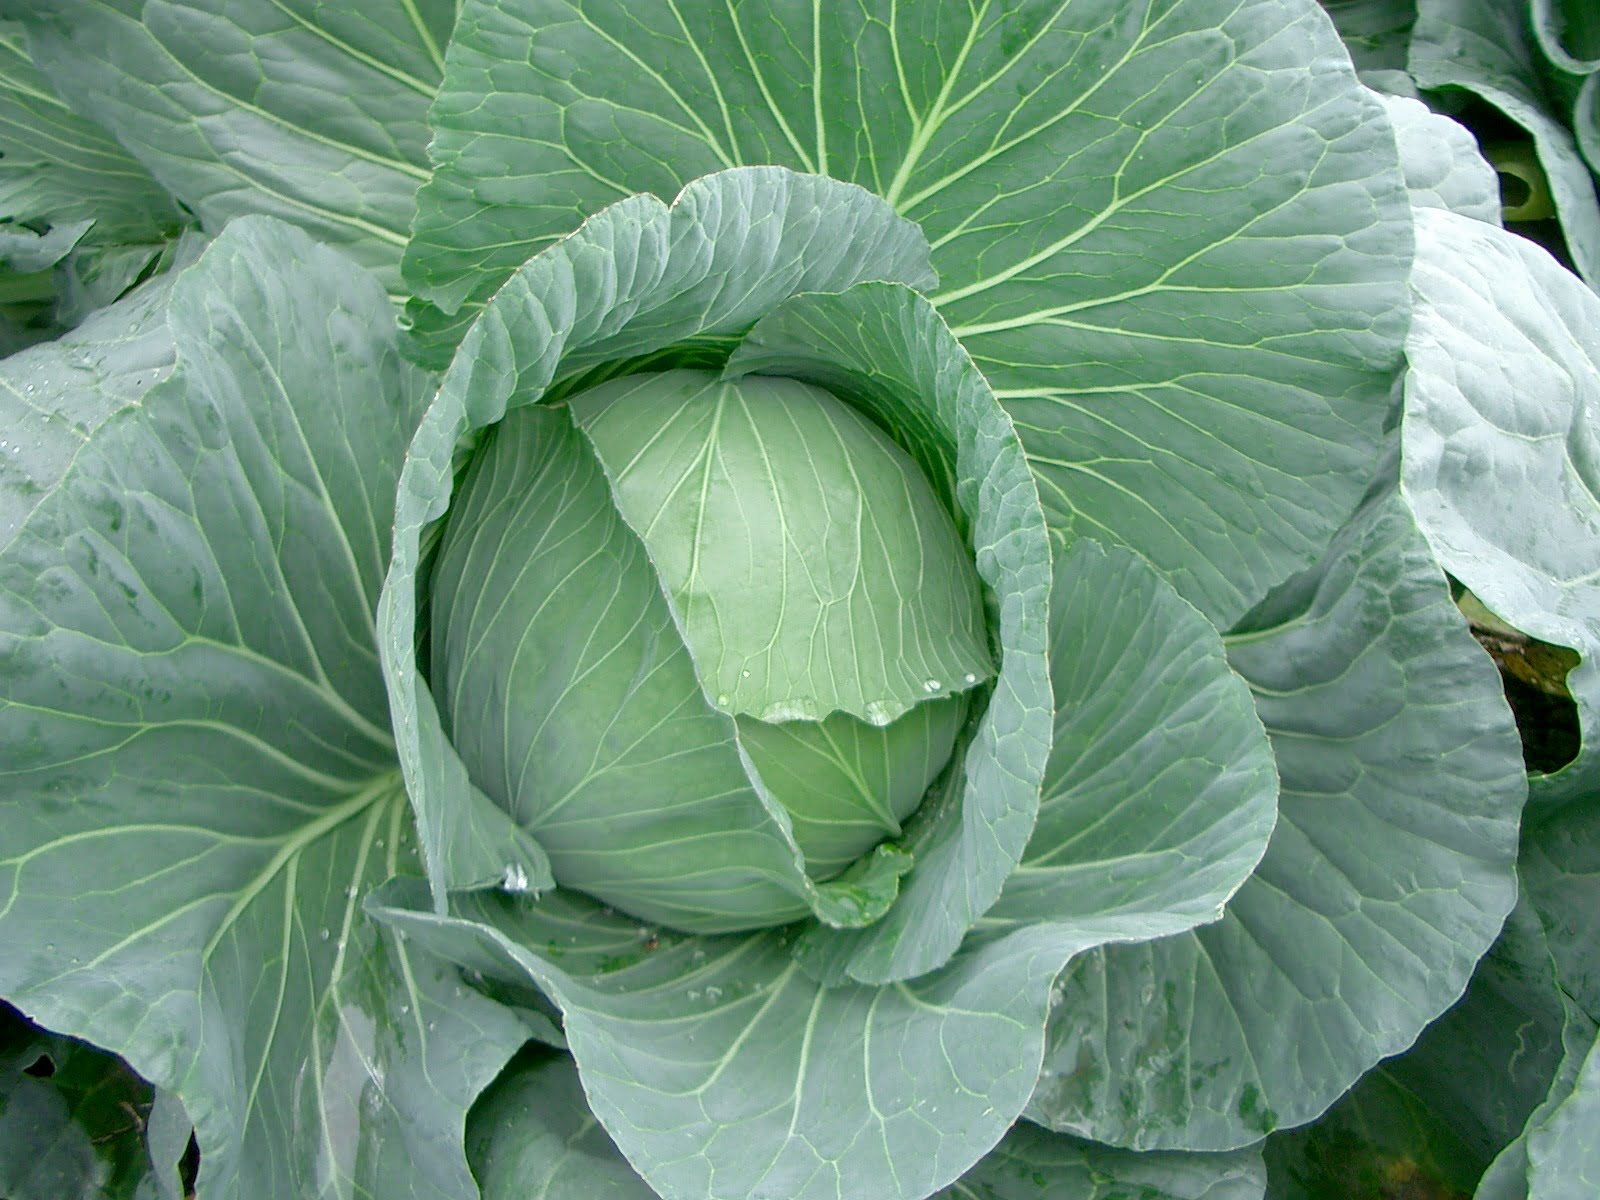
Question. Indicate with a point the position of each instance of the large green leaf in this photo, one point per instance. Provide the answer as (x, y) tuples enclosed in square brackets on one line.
[(725, 1073), (1442, 164), (57, 167), (531, 1136), (199, 782), (307, 111), (1031, 1163), (1560, 869), (1502, 443), (1558, 1158), (59, 170), (1198, 352), (1439, 1114), (1485, 47), (1563, 1153), (1388, 876), (54, 396)]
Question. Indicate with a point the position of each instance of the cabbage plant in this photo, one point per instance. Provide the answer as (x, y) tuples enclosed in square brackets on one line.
[(867, 624)]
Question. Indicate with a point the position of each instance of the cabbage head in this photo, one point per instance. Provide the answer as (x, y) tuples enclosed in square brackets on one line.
[(753, 661)]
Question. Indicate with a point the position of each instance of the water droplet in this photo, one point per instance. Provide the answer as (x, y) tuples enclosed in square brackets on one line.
[(971, 678), (432, 1026), (699, 956), (405, 1009), (1147, 993), (515, 879), (722, 701), (713, 993), (350, 892), (933, 685), (694, 995), (324, 934), (745, 672)]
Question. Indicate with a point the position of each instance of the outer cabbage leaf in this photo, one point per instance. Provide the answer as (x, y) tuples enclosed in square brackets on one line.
[(1502, 444), (1031, 1163), (1388, 876), (1430, 1117), (23, 252), (1560, 869), (1090, 177), (1563, 1154), (199, 782), (1586, 121), (1558, 1157), (311, 112), (57, 167), (1442, 164), (1485, 47), (531, 1136), (1568, 33), (59, 170), (54, 396)]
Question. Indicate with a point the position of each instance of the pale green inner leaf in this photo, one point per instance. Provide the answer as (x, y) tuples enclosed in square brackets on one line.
[(810, 565)]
